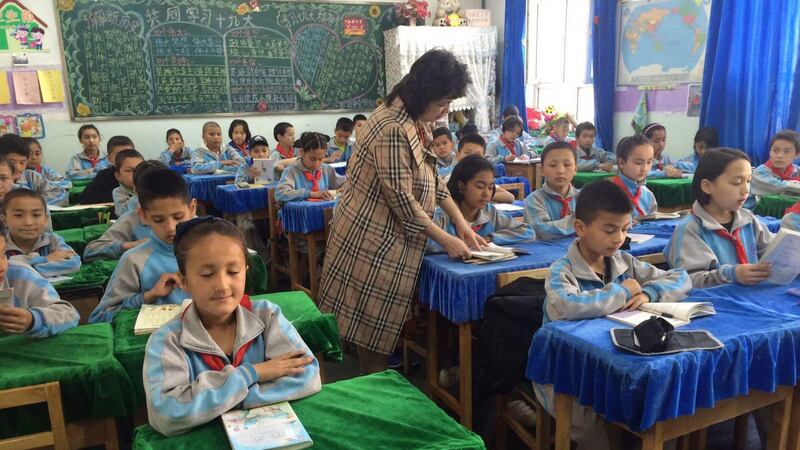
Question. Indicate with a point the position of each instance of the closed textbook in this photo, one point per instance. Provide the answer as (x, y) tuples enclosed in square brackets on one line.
[(266, 428)]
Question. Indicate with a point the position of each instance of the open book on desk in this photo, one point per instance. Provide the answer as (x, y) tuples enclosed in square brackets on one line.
[(784, 254), (493, 253), (676, 313), (662, 215)]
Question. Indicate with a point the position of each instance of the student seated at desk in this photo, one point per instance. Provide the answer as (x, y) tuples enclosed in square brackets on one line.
[(210, 157), (706, 138), (720, 242), (472, 185), (17, 151), (549, 209), (561, 130), (595, 279), (128, 231), (177, 153), (239, 135), (87, 163), (663, 166), (443, 149), (358, 122), (224, 351), (340, 148), (507, 148), (590, 157), (124, 195), (101, 188), (146, 274), (508, 111), (36, 164), (775, 175), (791, 219), (473, 144), (309, 178), (635, 158), (6, 177), (27, 239), (259, 149), (36, 311), (284, 138)]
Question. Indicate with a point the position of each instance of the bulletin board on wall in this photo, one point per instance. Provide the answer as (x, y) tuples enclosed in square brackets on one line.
[(150, 58)]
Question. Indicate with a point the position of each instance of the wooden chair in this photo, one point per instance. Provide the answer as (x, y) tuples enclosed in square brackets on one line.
[(276, 264), (49, 393), (517, 188), (541, 437)]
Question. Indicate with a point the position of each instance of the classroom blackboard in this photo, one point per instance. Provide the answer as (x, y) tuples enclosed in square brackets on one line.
[(141, 58)]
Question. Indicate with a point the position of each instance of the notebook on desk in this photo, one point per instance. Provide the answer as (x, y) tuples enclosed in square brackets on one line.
[(677, 313), (271, 427)]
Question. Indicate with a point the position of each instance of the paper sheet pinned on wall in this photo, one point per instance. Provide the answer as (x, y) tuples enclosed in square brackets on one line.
[(26, 88), (5, 93), (51, 85)]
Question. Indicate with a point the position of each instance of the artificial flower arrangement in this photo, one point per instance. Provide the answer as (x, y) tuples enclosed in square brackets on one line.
[(540, 122), (412, 10)]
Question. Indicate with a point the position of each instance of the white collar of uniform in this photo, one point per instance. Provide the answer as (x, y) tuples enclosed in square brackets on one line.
[(42, 241), (550, 191), (195, 337), (740, 218), (582, 271)]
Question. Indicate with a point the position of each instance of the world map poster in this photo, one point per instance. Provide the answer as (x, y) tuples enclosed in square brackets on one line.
[(662, 41)]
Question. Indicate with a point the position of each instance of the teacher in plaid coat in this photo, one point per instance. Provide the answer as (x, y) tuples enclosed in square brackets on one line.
[(383, 219)]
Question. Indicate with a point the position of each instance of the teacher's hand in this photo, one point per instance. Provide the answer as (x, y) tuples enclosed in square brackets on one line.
[(456, 248), (472, 239)]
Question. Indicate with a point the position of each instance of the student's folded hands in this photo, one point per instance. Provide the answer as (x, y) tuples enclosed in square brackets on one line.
[(15, 320), (60, 255), (290, 363)]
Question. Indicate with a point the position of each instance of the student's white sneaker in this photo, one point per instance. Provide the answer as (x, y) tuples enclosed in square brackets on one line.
[(522, 412)]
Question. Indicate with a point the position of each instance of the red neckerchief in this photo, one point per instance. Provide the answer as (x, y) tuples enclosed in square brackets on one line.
[(510, 146), (475, 228), (38, 169), (93, 159), (242, 149), (793, 209), (564, 204), (634, 198), (741, 255), (215, 362), (314, 179), (659, 164), (286, 154), (558, 139), (588, 153), (785, 175)]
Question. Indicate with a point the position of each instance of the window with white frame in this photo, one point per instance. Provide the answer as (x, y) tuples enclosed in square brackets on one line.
[(559, 57)]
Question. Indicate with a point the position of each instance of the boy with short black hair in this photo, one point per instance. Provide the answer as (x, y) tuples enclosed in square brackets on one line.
[(560, 130), (340, 148), (510, 111), (549, 209), (28, 240), (358, 122), (284, 138), (124, 195), (474, 144), (35, 310), (147, 274), (443, 149), (595, 279), (590, 157), (101, 188), (129, 230), (16, 150)]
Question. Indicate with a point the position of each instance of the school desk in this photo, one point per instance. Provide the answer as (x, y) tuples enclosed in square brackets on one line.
[(75, 193), (774, 205), (234, 201), (305, 222), (662, 397), (379, 411), (183, 169), (531, 171), (74, 238), (458, 292), (511, 180), (672, 194), (319, 331), (581, 179), (204, 188), (500, 170), (63, 220), (94, 386)]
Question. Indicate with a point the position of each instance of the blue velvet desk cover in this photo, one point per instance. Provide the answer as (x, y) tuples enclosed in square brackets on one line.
[(509, 180), (203, 187), (233, 200), (305, 216)]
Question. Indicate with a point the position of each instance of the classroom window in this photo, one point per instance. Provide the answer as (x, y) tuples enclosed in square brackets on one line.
[(559, 56)]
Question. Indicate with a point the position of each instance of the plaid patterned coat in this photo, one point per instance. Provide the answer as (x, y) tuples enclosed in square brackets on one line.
[(375, 248)]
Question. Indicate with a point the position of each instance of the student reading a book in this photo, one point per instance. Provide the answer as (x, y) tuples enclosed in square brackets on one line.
[(177, 153), (472, 186), (27, 239), (474, 144), (239, 135), (706, 138), (550, 209), (779, 175), (225, 351), (89, 161), (35, 309), (340, 148), (124, 196), (147, 274), (791, 218), (259, 149), (17, 151), (595, 279), (309, 178), (663, 166), (635, 158), (590, 157), (36, 164), (443, 149), (210, 157), (128, 231), (720, 242), (507, 148), (101, 187)]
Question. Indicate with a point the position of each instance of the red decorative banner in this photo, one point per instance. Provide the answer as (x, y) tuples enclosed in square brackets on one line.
[(355, 26)]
